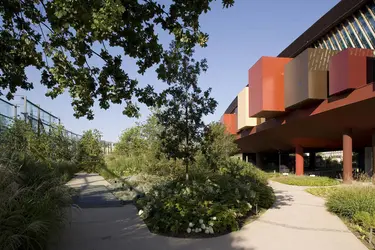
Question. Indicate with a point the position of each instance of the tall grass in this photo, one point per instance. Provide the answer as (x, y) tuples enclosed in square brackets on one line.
[(31, 207), (306, 180), (33, 197), (347, 201)]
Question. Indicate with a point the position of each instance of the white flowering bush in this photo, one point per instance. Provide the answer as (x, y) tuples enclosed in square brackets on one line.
[(207, 205)]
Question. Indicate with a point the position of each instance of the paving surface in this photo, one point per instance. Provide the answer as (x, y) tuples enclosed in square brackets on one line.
[(93, 192), (297, 221)]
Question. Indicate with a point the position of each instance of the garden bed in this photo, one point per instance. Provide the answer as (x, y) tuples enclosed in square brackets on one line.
[(305, 180), (129, 189), (355, 205), (209, 204), (206, 205)]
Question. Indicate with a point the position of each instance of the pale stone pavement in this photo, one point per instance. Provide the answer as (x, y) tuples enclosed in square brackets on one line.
[(298, 221)]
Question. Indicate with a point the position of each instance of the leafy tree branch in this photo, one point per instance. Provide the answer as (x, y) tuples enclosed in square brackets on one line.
[(59, 37)]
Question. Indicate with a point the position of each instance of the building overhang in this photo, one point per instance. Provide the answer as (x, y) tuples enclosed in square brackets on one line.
[(320, 126)]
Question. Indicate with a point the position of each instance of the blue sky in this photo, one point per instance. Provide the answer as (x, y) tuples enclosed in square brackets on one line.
[(239, 36)]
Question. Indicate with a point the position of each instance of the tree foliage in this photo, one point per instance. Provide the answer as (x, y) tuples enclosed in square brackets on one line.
[(61, 38), (139, 139), (181, 116), (90, 152), (218, 145), (139, 150), (20, 141)]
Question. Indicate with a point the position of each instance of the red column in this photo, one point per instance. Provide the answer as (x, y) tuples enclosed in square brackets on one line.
[(347, 157), (299, 160)]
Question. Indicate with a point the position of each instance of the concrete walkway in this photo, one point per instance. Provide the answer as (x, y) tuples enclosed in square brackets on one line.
[(93, 191), (297, 221)]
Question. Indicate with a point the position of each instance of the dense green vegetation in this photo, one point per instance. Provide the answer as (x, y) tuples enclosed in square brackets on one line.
[(33, 171), (217, 198), (347, 201), (64, 39), (305, 180), (355, 204)]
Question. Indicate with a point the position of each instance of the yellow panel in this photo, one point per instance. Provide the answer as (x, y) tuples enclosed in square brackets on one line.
[(244, 121)]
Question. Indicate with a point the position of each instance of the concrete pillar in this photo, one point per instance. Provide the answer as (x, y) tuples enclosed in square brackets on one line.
[(312, 160), (299, 160), (347, 144), (259, 160)]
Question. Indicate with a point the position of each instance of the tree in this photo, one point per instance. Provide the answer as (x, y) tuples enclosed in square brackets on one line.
[(218, 145), (90, 152), (181, 116), (61, 37), (131, 142), (140, 138)]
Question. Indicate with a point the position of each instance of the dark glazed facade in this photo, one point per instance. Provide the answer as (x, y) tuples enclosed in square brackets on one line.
[(306, 78)]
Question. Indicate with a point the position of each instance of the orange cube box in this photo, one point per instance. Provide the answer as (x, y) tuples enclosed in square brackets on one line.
[(347, 70), (266, 87), (230, 122)]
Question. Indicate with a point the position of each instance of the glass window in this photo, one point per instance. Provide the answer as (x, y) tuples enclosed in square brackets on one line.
[(326, 44), (333, 41), (335, 44), (367, 29), (345, 35), (329, 42), (339, 39), (370, 18), (372, 7), (352, 35), (359, 32)]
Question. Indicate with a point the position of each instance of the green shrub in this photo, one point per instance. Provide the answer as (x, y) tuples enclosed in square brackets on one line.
[(347, 201), (220, 201), (32, 205), (217, 146), (306, 180), (33, 171), (20, 141), (241, 169), (366, 219)]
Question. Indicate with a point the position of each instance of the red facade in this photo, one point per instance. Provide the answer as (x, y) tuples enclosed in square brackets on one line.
[(266, 87), (230, 122), (347, 70)]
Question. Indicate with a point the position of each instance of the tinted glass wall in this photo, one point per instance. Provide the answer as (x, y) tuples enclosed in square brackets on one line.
[(357, 31)]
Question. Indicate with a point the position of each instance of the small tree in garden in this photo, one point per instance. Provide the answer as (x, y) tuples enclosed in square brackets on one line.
[(181, 116), (90, 152), (218, 145)]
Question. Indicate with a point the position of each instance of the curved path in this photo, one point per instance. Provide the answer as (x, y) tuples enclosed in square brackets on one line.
[(297, 221)]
